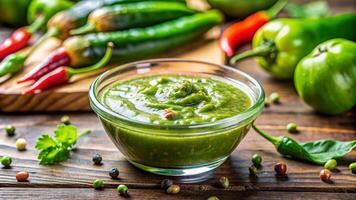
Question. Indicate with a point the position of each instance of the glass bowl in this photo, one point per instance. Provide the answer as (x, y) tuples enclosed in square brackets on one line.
[(176, 150)]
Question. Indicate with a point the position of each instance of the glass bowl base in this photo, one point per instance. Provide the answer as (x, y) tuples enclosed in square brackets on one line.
[(187, 171)]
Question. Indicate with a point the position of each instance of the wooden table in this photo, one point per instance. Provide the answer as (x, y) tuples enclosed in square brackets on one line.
[(73, 179)]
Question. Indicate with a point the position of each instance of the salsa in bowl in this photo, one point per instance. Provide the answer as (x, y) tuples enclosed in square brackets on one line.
[(176, 117)]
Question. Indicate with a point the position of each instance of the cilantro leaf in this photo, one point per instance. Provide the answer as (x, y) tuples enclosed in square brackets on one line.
[(57, 149), (66, 134)]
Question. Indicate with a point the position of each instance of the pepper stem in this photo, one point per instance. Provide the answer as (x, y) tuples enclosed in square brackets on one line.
[(37, 24), (276, 8), (84, 133), (263, 50), (274, 140), (104, 60), (87, 28)]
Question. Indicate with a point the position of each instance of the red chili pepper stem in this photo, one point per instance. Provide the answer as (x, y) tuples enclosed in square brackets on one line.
[(276, 8), (261, 51), (61, 75)]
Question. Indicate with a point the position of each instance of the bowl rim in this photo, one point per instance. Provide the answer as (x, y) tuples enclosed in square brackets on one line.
[(242, 117)]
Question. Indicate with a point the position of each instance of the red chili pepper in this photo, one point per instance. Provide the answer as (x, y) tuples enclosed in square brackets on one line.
[(243, 31), (16, 41), (61, 75), (56, 59)]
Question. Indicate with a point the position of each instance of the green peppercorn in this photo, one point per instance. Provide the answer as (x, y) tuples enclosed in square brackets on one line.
[(292, 127), (114, 173), (6, 161), (274, 97), (97, 159), (65, 119), (330, 164), (123, 190), (98, 183), (21, 144), (213, 198), (253, 170), (352, 167), (223, 182), (256, 159), (166, 183), (267, 102), (10, 130), (173, 189)]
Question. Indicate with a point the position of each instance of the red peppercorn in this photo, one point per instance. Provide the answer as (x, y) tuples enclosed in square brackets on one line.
[(325, 175), (280, 168), (22, 176)]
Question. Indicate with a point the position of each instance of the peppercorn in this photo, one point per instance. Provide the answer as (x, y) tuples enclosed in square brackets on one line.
[(256, 159), (292, 127), (253, 170), (352, 167), (65, 119), (97, 159), (325, 175), (98, 183), (10, 130), (114, 173), (267, 102), (173, 189), (274, 97), (166, 183), (223, 182), (169, 114), (331, 164), (280, 168), (123, 190), (22, 176), (213, 198), (21, 144), (6, 161)]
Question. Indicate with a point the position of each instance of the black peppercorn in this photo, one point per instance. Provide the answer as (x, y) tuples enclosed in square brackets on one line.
[(97, 159), (166, 183), (114, 173)]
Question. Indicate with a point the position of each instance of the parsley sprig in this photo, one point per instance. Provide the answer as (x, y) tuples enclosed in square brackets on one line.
[(57, 149)]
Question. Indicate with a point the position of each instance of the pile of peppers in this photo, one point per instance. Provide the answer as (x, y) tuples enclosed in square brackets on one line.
[(325, 78), (137, 28)]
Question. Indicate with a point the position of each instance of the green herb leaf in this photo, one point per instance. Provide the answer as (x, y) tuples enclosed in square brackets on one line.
[(323, 150), (55, 150), (66, 134), (312, 9)]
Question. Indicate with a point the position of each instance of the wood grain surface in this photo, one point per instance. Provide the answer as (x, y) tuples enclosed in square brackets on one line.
[(72, 180)]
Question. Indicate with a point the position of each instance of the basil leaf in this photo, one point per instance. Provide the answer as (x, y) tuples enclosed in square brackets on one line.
[(323, 150)]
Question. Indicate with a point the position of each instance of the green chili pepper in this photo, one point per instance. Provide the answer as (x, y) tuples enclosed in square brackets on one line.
[(44, 9), (282, 43), (12, 64), (240, 8), (326, 78), (317, 152), (124, 16), (13, 12), (140, 42)]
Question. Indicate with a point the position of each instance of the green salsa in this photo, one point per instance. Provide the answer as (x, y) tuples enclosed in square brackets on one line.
[(173, 99)]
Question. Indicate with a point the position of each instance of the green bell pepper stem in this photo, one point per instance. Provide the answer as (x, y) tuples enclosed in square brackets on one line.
[(276, 8), (261, 51), (274, 140), (96, 66)]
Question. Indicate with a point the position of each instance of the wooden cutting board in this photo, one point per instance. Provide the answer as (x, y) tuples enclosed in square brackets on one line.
[(74, 97)]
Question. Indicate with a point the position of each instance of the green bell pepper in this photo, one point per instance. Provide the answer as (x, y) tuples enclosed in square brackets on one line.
[(43, 10), (326, 78), (282, 43), (240, 8), (13, 12)]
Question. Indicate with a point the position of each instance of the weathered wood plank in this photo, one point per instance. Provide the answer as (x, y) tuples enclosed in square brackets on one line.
[(80, 172), (186, 193)]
